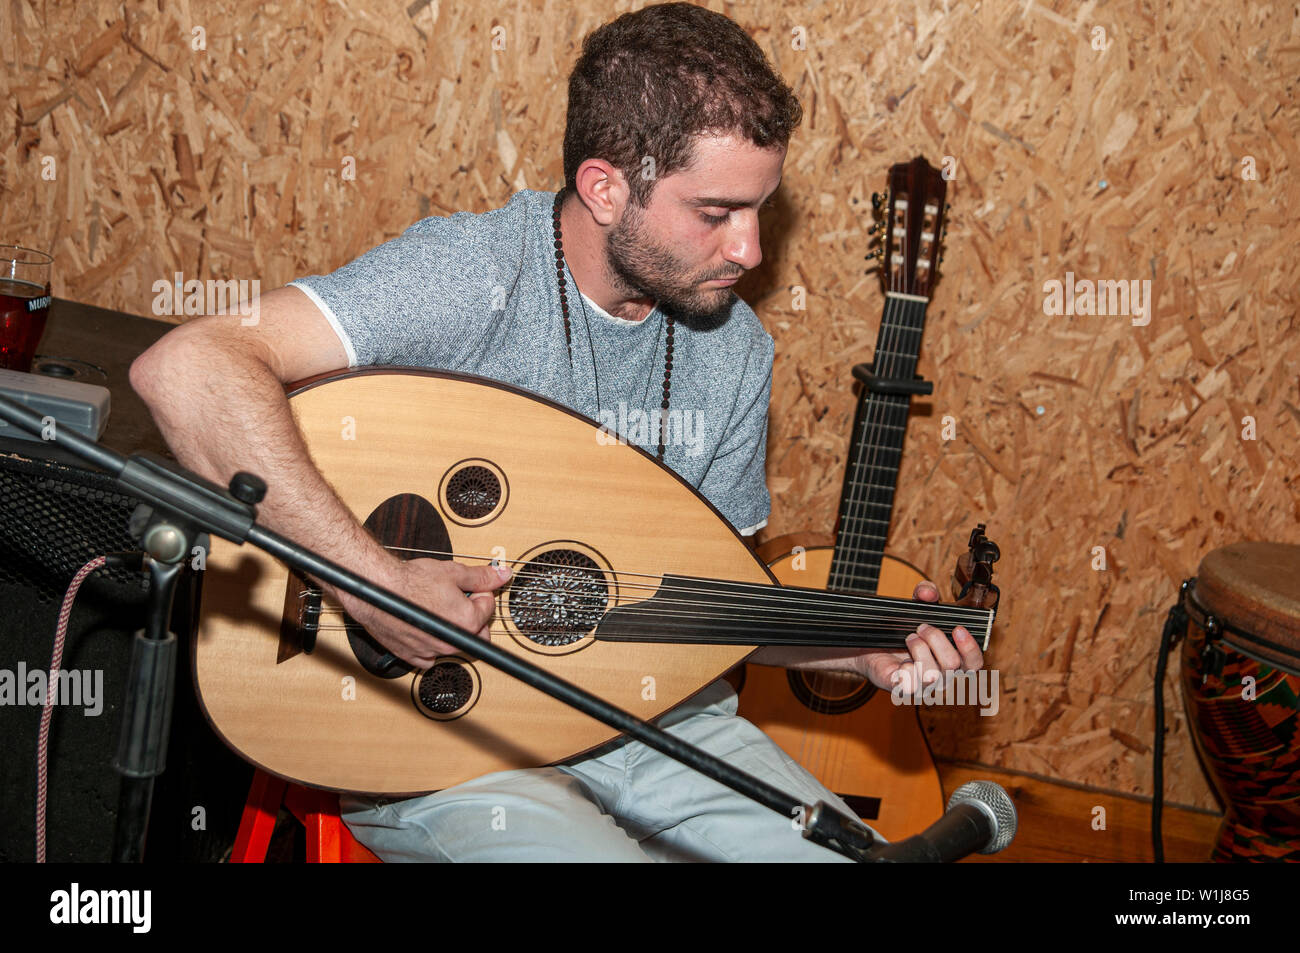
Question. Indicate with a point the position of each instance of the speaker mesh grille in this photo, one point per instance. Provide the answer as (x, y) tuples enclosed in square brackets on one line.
[(54, 519)]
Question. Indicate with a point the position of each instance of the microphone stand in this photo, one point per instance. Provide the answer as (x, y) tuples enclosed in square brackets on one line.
[(179, 506)]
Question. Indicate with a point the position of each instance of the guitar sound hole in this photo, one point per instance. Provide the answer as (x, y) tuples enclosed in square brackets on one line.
[(558, 597), (830, 694)]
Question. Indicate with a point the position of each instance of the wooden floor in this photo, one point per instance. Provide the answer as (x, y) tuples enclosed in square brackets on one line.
[(1056, 821)]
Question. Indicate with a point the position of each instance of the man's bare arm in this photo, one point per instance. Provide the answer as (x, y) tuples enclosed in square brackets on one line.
[(215, 388)]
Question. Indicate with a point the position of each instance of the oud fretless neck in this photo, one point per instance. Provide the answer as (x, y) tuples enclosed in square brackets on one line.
[(690, 609)]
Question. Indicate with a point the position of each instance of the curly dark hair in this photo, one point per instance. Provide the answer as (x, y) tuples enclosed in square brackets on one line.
[(650, 82)]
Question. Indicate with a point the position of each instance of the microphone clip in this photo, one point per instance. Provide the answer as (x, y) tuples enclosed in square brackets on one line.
[(848, 836)]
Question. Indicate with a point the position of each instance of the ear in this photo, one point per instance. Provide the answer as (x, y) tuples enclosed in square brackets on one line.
[(603, 190)]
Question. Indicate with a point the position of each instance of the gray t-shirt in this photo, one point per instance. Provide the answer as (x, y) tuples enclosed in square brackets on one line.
[(477, 294)]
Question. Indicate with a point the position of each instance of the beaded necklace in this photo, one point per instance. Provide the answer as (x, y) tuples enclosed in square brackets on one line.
[(568, 337)]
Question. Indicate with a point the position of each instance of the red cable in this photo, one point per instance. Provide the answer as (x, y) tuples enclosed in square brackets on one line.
[(43, 740)]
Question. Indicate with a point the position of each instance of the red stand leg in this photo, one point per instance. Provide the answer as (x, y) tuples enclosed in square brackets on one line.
[(328, 839), (258, 819)]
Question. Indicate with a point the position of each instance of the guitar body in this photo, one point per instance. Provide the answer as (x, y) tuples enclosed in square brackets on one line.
[(489, 471), (849, 735)]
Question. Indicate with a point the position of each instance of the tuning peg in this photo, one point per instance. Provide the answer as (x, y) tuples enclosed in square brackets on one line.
[(875, 227), (878, 253), (876, 201)]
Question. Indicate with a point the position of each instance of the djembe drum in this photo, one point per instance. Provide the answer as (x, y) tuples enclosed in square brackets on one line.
[(1241, 687)]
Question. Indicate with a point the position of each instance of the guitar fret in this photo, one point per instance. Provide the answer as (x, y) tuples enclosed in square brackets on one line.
[(885, 487), (868, 559), (863, 582), (860, 503), (883, 426), (869, 485)]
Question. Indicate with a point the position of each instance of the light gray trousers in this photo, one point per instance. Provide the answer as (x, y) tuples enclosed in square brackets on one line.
[(623, 803)]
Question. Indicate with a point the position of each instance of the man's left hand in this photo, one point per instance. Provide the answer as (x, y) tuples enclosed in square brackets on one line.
[(929, 654)]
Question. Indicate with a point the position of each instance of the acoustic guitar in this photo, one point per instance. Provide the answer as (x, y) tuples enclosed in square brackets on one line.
[(627, 583), (853, 738)]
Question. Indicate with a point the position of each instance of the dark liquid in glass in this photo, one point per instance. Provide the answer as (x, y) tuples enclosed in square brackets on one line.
[(23, 309)]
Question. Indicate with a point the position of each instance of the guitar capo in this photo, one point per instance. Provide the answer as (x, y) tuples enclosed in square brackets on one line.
[(884, 385)]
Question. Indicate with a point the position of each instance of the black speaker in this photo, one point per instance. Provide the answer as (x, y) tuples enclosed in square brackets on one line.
[(57, 514)]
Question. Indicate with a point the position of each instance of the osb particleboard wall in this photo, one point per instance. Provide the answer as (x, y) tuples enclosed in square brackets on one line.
[(1124, 162)]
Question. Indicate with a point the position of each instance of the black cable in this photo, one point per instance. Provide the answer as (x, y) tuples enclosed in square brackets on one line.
[(1175, 626)]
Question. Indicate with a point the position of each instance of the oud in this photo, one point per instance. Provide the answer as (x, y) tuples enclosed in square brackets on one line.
[(627, 583)]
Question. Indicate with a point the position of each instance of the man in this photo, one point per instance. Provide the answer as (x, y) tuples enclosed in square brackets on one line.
[(614, 295)]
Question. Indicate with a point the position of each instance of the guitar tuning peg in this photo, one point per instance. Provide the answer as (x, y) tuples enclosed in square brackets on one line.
[(875, 227), (875, 201), (878, 253)]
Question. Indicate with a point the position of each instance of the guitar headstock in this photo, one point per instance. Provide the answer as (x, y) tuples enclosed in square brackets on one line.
[(914, 221)]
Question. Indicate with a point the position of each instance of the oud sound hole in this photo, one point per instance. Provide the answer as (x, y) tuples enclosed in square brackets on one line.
[(558, 596), (830, 694), (447, 690), (473, 492)]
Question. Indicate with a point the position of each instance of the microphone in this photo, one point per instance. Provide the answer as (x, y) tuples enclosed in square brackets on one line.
[(980, 817)]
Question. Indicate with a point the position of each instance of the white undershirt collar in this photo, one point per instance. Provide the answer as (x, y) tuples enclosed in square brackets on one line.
[(612, 318)]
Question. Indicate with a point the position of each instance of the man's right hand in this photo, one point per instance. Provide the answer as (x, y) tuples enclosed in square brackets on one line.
[(440, 586)]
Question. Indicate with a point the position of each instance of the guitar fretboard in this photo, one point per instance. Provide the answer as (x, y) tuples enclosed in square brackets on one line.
[(871, 476)]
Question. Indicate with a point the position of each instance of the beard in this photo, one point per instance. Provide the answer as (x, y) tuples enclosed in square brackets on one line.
[(640, 266)]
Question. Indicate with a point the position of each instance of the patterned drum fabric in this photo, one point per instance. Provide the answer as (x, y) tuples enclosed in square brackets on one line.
[(1241, 686)]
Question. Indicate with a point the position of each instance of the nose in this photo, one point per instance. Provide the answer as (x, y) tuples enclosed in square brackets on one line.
[(742, 245)]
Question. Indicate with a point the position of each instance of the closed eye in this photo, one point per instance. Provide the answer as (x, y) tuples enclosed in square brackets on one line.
[(719, 219)]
